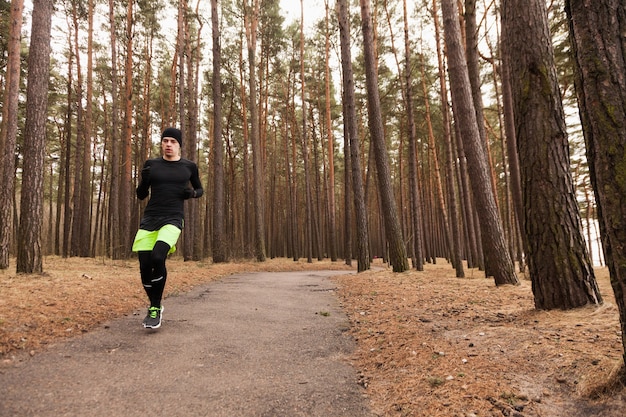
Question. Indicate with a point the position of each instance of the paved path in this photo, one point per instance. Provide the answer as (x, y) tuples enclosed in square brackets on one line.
[(263, 344)]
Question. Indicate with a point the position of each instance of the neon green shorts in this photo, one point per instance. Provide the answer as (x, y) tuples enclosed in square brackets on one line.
[(145, 240)]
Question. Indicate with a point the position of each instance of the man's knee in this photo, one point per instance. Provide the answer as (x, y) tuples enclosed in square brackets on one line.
[(159, 254)]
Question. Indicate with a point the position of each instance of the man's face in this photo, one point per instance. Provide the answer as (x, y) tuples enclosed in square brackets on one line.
[(170, 147)]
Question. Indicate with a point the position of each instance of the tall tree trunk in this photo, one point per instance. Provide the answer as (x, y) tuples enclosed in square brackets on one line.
[(507, 211), (461, 172), (513, 157), (473, 69), (85, 175), (493, 236), (332, 220), (393, 230), (193, 62), (308, 239), (347, 187), (58, 226), (252, 17), (8, 132), (453, 221), (317, 190), (349, 103), (558, 261), (407, 97), (77, 192), (219, 242), (98, 236), (247, 228), (414, 192), (65, 159), (126, 148), (292, 224), (182, 45), (597, 28), (29, 256), (450, 223), (114, 157)]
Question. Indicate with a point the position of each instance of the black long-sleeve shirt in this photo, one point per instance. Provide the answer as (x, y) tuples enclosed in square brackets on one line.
[(166, 186)]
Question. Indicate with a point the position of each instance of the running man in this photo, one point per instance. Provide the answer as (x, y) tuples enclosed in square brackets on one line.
[(170, 180)]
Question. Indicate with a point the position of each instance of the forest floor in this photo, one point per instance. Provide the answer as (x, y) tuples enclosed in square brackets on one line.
[(427, 343)]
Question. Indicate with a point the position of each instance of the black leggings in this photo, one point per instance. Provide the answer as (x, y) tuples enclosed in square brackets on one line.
[(153, 272)]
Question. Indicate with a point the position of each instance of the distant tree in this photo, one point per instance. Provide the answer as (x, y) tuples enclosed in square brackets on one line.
[(29, 254), (251, 16), (189, 111), (473, 68), (182, 43), (66, 153), (393, 230), (501, 264), (465, 200), (308, 239), (8, 131), (114, 154), (82, 195), (126, 164), (453, 228), (558, 261), (512, 157), (596, 30), (87, 196), (415, 194), (219, 242), (415, 215), (450, 222), (332, 222)]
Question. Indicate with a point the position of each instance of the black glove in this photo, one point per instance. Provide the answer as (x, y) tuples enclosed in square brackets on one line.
[(145, 174), (188, 193)]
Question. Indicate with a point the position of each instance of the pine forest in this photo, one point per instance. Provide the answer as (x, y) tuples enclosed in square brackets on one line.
[(483, 134)]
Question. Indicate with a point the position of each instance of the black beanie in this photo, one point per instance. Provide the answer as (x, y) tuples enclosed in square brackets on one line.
[(172, 132)]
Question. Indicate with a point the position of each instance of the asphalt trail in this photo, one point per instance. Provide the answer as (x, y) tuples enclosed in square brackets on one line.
[(262, 344)]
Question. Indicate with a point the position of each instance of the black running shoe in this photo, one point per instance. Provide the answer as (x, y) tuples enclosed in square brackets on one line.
[(153, 319)]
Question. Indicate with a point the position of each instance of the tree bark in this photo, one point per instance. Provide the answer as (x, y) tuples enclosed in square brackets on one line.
[(8, 132), (193, 64), (415, 199), (558, 262), (114, 157), (596, 29), (513, 157), (126, 148), (83, 197), (29, 256), (450, 220), (247, 216), (362, 228), (77, 212), (473, 69), (252, 16), (218, 242), (332, 222), (308, 238), (500, 263), (393, 230), (184, 70)]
